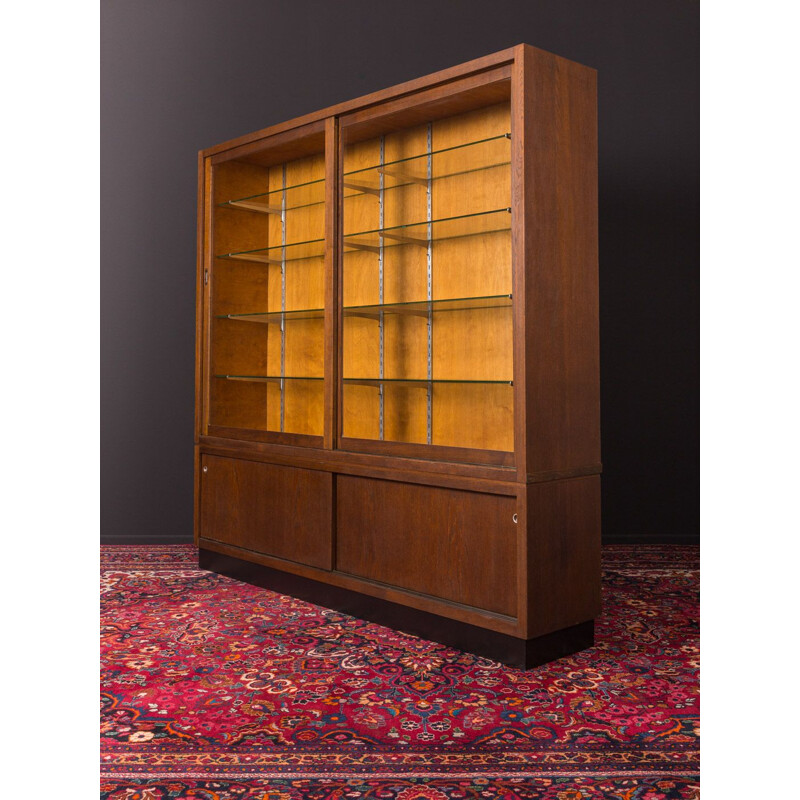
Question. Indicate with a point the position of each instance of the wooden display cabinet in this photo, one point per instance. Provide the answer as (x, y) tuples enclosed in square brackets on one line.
[(397, 357)]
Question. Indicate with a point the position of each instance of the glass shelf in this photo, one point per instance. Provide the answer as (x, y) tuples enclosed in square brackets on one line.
[(416, 233), (262, 205), (413, 233), (423, 307), (268, 378), (409, 159), (360, 187), (414, 169), (357, 188), (313, 248), (269, 202), (276, 316), (421, 382), (418, 307)]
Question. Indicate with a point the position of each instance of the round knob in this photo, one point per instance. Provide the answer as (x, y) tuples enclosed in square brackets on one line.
[(205, 469), (514, 518)]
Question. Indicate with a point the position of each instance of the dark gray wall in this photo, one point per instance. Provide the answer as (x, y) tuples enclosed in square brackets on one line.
[(181, 75)]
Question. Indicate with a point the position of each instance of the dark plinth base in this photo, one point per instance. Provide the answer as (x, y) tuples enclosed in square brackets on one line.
[(524, 653)]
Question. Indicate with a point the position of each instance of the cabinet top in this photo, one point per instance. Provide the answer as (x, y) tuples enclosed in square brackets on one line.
[(435, 79)]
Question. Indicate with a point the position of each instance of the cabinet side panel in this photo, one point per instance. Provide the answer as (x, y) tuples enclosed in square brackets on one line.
[(280, 511), (562, 385), (459, 546), (563, 553)]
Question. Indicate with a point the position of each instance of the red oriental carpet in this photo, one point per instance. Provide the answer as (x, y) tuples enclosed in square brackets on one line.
[(217, 690)]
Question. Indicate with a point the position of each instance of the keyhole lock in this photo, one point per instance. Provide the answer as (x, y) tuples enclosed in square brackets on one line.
[(514, 518)]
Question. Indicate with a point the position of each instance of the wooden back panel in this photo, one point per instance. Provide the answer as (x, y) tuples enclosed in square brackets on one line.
[(469, 345), (244, 191), (304, 338)]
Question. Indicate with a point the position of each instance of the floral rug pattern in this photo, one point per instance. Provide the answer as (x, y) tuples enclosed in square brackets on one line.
[(217, 690)]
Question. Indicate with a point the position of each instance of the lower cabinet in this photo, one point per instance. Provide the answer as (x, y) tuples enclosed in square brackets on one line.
[(451, 544), (278, 511), (511, 577)]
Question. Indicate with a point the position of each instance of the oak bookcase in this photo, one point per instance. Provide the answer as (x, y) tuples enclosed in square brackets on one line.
[(397, 357)]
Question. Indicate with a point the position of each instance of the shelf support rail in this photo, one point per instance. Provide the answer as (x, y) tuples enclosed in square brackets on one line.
[(430, 307), (283, 293), (380, 285)]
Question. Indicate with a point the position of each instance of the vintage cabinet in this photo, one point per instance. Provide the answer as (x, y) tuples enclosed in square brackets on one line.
[(397, 357)]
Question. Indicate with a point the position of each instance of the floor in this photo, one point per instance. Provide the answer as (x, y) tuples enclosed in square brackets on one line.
[(219, 690)]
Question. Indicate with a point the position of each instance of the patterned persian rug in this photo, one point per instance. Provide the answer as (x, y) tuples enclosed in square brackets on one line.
[(216, 690)]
